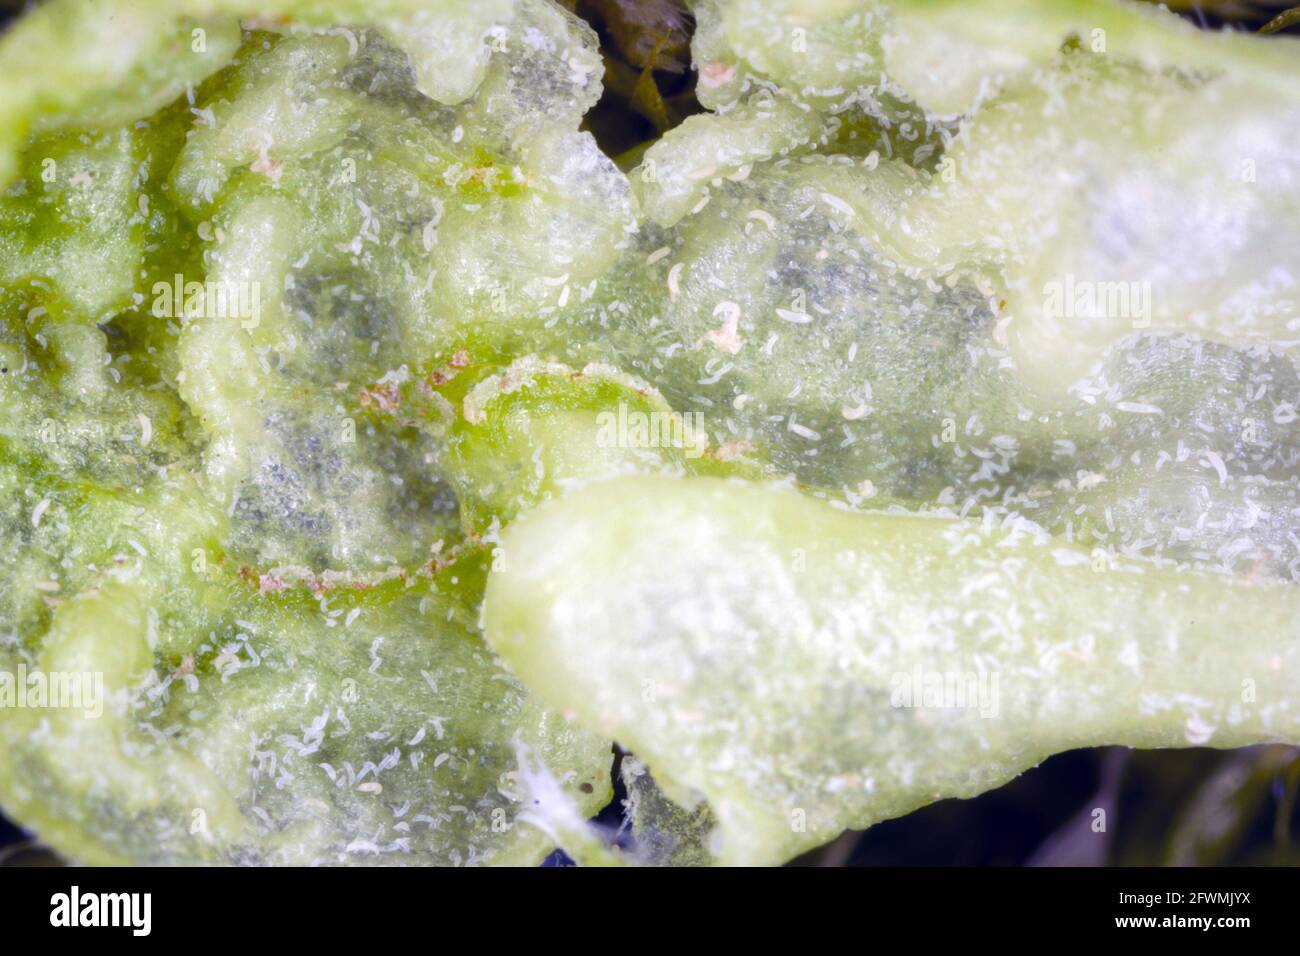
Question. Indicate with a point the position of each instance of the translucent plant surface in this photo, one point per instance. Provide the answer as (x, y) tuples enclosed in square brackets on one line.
[(759, 650), (379, 452)]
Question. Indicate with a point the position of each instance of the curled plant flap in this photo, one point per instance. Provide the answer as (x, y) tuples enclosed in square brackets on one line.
[(537, 429), (808, 670)]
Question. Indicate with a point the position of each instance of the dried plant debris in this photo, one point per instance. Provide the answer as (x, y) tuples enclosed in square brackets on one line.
[(376, 450)]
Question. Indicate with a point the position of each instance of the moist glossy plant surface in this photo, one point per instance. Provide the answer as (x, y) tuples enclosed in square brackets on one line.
[(387, 452)]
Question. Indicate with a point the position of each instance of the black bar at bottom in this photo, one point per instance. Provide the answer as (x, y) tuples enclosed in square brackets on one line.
[(512, 907)]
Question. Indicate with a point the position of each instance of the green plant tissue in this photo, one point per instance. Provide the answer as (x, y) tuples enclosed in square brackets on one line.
[(376, 452)]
